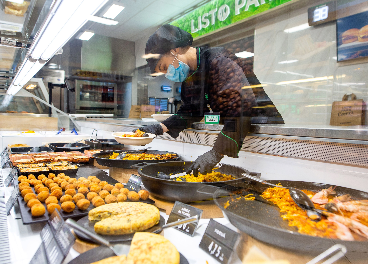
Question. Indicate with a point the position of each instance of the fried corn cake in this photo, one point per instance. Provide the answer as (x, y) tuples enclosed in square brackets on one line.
[(124, 218)]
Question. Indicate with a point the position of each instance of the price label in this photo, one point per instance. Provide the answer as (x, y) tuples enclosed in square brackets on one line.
[(55, 221), (46, 235), (65, 239), (181, 211), (134, 183), (10, 177), (212, 118), (12, 200), (40, 256), (53, 253), (218, 241)]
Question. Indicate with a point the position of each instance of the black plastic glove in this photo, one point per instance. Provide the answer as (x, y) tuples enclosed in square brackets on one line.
[(205, 163), (152, 129)]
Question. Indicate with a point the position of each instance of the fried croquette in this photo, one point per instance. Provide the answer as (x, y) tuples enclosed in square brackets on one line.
[(52, 206), (40, 177), (66, 198), (70, 186), (71, 192), (108, 187), (78, 196), (133, 196), (115, 191), (72, 180), (31, 176), (97, 201), (68, 206), (25, 191), (91, 195), (57, 193), (103, 194), (38, 210), (121, 197), (42, 189), (83, 190), (38, 186), (83, 204), (52, 175), (119, 185), (33, 202), (102, 183), (42, 196), (124, 191), (143, 194), (29, 196), (20, 178), (63, 184), (95, 180), (51, 199), (95, 188), (48, 182), (90, 178), (55, 188), (110, 199)]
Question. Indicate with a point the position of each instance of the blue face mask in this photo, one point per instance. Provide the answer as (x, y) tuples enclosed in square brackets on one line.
[(177, 74)]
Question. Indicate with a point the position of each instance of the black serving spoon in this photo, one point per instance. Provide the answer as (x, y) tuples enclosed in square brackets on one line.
[(299, 197)]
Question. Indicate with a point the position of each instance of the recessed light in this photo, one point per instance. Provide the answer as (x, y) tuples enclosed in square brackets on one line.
[(102, 20), (86, 35), (113, 11)]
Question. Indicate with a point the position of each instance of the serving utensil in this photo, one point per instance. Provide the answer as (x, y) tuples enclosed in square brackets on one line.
[(299, 197), (121, 249)]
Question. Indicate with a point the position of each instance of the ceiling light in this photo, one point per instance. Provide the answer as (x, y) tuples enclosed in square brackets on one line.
[(104, 21), (306, 80), (86, 35), (31, 87), (244, 54), (113, 11), (297, 28), (65, 18), (287, 61)]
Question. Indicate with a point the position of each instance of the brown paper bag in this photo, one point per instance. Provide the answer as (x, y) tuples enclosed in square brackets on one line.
[(347, 112), (135, 111), (147, 111)]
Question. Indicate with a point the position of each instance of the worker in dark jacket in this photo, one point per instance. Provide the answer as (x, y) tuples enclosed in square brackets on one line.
[(211, 80)]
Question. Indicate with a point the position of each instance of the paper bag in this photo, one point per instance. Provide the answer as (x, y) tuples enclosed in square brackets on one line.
[(347, 112), (135, 111), (147, 111)]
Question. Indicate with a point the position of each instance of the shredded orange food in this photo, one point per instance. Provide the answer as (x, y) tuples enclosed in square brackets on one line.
[(137, 133), (209, 177), (145, 156), (296, 216)]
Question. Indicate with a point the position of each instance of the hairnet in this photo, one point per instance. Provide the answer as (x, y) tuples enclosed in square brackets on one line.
[(165, 38)]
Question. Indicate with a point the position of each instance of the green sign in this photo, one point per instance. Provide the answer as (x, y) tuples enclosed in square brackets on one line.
[(212, 119), (217, 14)]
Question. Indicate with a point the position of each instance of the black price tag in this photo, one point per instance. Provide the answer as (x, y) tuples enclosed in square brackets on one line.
[(54, 253), (65, 239), (55, 221), (181, 211), (12, 200), (219, 241), (40, 256), (10, 177), (46, 235), (134, 183)]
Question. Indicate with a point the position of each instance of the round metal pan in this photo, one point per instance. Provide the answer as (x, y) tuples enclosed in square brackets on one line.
[(102, 158), (102, 252), (184, 191), (261, 219)]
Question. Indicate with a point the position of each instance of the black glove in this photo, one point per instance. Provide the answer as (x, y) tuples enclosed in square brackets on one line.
[(152, 129), (205, 162)]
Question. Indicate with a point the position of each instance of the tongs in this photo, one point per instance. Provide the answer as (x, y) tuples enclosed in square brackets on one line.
[(299, 197)]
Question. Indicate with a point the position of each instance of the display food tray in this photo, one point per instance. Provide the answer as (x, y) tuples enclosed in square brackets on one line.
[(60, 147), (105, 144), (23, 150)]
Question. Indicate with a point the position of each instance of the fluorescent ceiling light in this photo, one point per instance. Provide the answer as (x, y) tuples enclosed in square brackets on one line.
[(287, 61), (113, 11), (104, 21), (65, 18), (297, 28), (31, 87), (306, 80), (244, 54), (86, 35)]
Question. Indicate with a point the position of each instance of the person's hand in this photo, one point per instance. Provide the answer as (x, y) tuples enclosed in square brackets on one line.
[(205, 163), (152, 129)]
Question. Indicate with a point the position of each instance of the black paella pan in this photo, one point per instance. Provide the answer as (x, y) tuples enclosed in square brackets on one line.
[(103, 158), (185, 192), (261, 219)]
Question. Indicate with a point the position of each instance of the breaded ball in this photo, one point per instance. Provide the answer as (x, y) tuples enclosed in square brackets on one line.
[(90, 178), (110, 199), (102, 183), (48, 182), (61, 175), (121, 197), (63, 184), (42, 196), (115, 191), (56, 187), (96, 180), (40, 177), (38, 186), (83, 204), (33, 202), (133, 196), (82, 179), (95, 188), (71, 192), (29, 196), (52, 175), (44, 180), (103, 194), (52, 206), (82, 184), (72, 180), (22, 177), (68, 206), (57, 193), (67, 178), (25, 191), (78, 196), (143, 194), (97, 201), (35, 182), (53, 184), (124, 191), (24, 187), (25, 181), (42, 189), (66, 198), (91, 195), (31, 176), (51, 199), (38, 210), (70, 186), (83, 190), (108, 187), (119, 185)]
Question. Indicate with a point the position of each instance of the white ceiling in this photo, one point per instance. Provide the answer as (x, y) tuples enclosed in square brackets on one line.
[(140, 15)]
